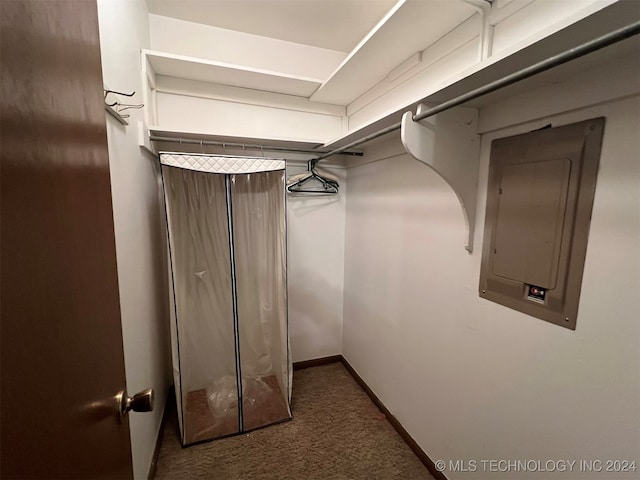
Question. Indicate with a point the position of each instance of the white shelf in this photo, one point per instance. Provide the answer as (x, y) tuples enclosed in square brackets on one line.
[(280, 142), (603, 21), (410, 27), (192, 68)]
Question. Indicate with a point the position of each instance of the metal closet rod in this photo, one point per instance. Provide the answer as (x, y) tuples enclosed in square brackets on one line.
[(249, 146), (564, 57)]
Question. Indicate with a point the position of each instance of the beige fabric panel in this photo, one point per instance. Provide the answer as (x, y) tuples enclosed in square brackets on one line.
[(259, 232), (200, 259)]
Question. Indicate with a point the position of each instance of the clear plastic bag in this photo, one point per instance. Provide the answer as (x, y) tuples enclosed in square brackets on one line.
[(255, 392), (222, 397), (262, 403)]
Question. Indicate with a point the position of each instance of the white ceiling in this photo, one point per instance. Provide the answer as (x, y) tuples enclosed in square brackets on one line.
[(333, 24)]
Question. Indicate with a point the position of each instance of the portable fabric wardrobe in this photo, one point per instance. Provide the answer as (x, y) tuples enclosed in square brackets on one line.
[(226, 224)]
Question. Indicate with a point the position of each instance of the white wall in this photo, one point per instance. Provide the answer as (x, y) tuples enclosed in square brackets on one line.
[(470, 379), (186, 113), (139, 228), (521, 22), (315, 231)]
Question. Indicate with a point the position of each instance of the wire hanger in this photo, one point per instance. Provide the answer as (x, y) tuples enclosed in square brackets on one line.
[(311, 182), (121, 107), (107, 92), (118, 107)]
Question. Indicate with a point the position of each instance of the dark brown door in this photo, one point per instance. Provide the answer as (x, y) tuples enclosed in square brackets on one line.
[(62, 354)]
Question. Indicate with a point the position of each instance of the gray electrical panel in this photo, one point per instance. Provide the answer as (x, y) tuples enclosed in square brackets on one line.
[(539, 202)]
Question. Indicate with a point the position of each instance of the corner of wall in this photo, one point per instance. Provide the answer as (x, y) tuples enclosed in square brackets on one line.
[(140, 245)]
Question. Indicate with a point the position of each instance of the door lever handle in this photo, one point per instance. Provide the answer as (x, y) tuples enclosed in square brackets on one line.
[(140, 402)]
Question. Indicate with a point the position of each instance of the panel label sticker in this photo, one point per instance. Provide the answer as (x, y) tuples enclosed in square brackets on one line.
[(536, 294)]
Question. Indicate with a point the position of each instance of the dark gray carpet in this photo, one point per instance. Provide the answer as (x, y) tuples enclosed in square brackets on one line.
[(336, 433)]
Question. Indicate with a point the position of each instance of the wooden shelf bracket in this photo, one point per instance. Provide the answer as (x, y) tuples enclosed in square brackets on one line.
[(459, 171)]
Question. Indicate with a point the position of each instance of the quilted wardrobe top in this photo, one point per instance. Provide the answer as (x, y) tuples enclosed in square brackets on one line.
[(221, 163)]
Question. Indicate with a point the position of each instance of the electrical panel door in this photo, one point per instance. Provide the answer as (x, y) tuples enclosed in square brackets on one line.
[(539, 202)]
